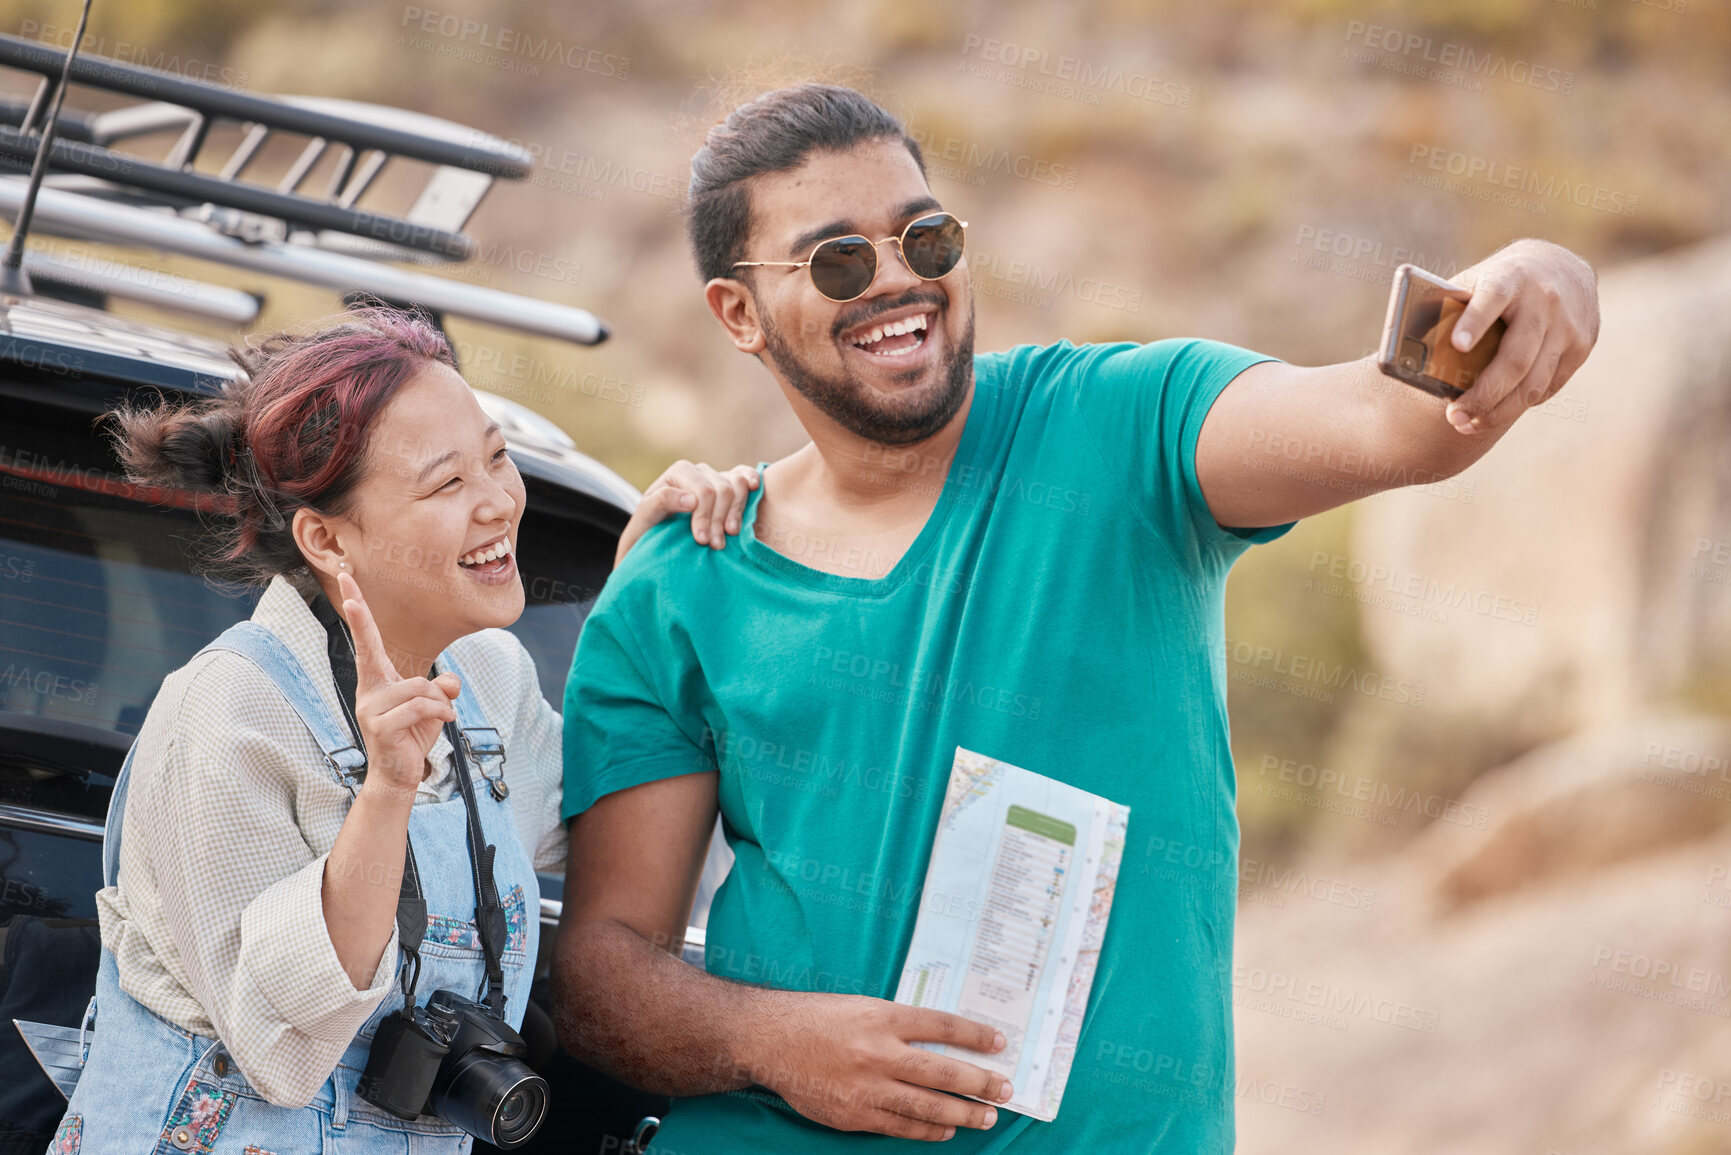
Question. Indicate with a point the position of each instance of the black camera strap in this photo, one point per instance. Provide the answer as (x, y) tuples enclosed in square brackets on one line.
[(411, 902), (489, 914)]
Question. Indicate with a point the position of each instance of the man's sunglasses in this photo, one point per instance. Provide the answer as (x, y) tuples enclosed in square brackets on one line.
[(844, 268)]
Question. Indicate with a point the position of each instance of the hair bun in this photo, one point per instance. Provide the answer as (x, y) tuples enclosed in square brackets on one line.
[(182, 447), (202, 449)]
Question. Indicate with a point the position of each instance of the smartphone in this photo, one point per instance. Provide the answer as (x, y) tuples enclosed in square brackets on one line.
[(1416, 345)]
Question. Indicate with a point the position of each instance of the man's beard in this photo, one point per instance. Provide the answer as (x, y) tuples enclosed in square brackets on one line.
[(848, 401)]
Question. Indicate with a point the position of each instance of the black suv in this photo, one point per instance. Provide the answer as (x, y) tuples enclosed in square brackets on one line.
[(97, 598)]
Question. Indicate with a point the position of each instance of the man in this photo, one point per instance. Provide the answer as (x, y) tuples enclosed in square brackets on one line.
[(1022, 554)]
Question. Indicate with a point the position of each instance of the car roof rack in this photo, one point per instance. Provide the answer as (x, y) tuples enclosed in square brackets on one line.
[(318, 236)]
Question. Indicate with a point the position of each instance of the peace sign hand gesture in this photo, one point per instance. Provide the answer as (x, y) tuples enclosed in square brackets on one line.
[(399, 717)]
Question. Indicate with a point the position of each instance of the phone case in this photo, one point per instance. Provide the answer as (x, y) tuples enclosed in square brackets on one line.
[(1422, 311)]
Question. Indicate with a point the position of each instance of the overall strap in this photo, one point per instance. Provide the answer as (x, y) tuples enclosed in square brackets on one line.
[(471, 736), (481, 741), (272, 655), (116, 814), (268, 652)]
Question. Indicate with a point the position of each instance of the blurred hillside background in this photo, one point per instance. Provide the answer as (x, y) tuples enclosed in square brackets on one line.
[(1481, 726)]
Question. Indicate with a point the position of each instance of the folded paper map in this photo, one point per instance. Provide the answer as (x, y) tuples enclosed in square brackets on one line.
[(1012, 916)]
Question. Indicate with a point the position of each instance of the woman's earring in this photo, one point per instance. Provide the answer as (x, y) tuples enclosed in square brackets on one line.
[(342, 565)]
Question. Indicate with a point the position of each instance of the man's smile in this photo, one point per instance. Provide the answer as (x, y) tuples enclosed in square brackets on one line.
[(893, 336)]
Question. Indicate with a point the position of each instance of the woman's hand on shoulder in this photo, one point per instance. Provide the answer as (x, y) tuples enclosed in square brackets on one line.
[(715, 501)]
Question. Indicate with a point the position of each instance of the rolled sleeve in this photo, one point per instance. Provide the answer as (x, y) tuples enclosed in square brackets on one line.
[(242, 900), (287, 955)]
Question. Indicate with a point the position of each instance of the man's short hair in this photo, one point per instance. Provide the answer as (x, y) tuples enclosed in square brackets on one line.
[(773, 133)]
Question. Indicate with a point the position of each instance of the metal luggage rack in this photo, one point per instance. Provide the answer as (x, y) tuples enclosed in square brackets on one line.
[(95, 192)]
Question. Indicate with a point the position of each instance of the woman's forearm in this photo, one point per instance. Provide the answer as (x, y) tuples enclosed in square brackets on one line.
[(364, 876)]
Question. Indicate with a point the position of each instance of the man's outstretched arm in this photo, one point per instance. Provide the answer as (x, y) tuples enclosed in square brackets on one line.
[(625, 1002), (1283, 442)]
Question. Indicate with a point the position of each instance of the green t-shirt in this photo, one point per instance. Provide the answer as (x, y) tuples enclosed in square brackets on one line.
[(1061, 611)]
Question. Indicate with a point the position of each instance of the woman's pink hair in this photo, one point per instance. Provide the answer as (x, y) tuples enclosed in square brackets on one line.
[(295, 435)]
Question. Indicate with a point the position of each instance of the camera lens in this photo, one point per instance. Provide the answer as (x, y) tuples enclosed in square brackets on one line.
[(1412, 354), (492, 1097), (526, 1103), (521, 1113)]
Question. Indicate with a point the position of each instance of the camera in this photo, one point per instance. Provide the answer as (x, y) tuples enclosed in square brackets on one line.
[(456, 1060)]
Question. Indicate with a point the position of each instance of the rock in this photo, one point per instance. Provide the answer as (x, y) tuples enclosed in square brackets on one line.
[(1579, 1016), (1589, 801), (1551, 979), (1582, 570)]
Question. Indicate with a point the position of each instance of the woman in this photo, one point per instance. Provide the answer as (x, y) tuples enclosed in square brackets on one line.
[(256, 925)]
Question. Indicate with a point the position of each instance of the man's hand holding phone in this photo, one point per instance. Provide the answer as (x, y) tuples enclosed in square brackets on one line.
[(1548, 299)]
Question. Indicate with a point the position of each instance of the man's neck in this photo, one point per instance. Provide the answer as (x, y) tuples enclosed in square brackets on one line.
[(852, 506), (841, 468)]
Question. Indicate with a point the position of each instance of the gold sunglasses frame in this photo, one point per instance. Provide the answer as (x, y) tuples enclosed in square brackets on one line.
[(878, 264)]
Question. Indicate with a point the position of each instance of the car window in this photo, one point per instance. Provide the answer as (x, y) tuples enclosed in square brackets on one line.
[(564, 559), (97, 604), (97, 601)]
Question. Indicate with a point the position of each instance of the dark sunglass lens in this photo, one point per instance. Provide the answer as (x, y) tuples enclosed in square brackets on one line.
[(933, 245), (842, 269)]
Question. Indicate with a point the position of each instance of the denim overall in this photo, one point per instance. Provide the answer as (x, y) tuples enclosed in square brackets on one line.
[(148, 1085)]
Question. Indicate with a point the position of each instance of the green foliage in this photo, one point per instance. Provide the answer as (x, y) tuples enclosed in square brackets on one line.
[(1275, 601)]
